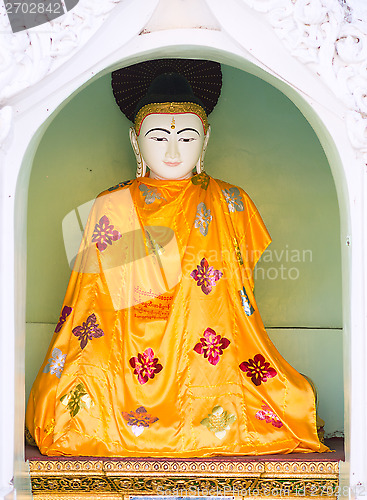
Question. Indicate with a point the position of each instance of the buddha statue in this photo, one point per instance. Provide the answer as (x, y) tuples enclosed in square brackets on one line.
[(160, 350)]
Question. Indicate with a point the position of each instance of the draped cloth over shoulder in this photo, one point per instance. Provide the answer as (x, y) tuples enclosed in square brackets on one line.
[(160, 349)]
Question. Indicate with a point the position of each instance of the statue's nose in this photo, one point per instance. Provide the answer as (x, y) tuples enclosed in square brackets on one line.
[(172, 148)]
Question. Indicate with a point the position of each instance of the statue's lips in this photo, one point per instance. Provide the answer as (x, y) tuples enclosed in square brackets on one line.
[(172, 163)]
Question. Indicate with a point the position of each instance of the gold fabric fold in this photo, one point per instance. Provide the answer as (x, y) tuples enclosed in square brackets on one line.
[(160, 349)]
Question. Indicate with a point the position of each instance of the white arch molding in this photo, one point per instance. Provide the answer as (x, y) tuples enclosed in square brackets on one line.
[(312, 50)]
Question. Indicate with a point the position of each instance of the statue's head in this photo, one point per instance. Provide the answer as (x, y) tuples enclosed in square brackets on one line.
[(171, 144), (171, 129)]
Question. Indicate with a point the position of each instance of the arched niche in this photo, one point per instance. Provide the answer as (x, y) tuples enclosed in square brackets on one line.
[(259, 141), (324, 112), (68, 171)]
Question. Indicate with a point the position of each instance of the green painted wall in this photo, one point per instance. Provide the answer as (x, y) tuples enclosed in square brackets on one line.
[(259, 141)]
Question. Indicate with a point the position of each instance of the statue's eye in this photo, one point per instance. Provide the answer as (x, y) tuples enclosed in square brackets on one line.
[(158, 139), (187, 139)]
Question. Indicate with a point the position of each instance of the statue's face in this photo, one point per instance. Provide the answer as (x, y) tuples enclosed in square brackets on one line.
[(171, 145)]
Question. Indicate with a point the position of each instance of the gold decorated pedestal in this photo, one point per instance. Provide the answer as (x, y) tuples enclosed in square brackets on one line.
[(247, 477)]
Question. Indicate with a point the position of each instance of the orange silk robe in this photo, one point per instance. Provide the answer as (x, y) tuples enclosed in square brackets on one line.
[(160, 349)]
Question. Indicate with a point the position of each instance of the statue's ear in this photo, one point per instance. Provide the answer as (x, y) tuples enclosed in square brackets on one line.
[(134, 141), (140, 163), (200, 163), (206, 140)]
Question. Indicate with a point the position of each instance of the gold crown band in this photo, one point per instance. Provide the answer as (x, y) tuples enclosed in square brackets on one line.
[(170, 108)]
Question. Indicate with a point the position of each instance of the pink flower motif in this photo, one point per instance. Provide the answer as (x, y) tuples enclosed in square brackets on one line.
[(211, 345), (66, 310), (104, 234), (258, 369), (277, 423), (269, 416), (206, 276), (88, 330), (145, 365)]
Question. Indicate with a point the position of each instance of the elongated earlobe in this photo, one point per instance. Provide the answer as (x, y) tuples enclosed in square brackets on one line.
[(200, 164), (141, 167)]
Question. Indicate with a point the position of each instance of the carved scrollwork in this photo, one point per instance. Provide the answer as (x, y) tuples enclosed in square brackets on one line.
[(357, 131), (71, 484), (189, 486), (191, 477), (330, 37), (27, 57), (229, 468), (351, 46), (313, 13)]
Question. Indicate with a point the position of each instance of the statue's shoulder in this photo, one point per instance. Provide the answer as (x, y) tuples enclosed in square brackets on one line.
[(118, 187), (226, 187)]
